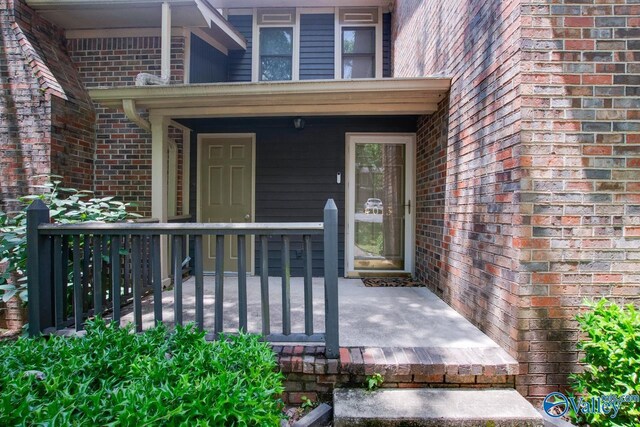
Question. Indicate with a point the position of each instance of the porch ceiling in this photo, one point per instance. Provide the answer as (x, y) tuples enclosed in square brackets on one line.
[(412, 96)]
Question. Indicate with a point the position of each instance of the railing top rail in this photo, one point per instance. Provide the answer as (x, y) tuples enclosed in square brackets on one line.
[(130, 228)]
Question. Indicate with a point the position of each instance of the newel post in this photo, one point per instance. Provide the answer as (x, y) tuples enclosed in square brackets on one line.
[(332, 326), (38, 270)]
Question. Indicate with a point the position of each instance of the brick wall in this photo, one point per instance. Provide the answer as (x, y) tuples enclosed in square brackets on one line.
[(581, 184), (538, 206), (467, 180), (46, 120), (123, 150)]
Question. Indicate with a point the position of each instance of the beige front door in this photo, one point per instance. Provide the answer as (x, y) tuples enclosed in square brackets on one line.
[(226, 191)]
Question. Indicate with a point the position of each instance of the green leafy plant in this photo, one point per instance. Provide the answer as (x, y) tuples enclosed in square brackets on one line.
[(158, 378), (374, 381), (307, 404), (612, 361), (67, 206)]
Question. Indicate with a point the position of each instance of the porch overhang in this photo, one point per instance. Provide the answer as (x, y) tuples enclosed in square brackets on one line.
[(396, 96)]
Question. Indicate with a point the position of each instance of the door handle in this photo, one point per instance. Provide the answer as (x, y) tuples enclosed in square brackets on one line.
[(408, 205), (247, 217)]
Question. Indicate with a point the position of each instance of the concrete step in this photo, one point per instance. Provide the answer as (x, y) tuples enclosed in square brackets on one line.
[(433, 407)]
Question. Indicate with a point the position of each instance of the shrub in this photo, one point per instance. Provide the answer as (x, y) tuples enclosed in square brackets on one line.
[(114, 377), (612, 360), (67, 206)]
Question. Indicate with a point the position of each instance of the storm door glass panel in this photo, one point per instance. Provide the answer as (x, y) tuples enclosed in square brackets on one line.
[(358, 53), (276, 51), (379, 207)]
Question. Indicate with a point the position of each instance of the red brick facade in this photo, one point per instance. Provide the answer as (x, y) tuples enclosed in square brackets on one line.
[(123, 150), (528, 177), (47, 121)]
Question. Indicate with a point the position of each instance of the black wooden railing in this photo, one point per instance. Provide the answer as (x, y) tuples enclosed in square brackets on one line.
[(79, 270)]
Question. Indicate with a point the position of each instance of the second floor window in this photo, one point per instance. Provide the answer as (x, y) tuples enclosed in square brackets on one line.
[(358, 52), (276, 54)]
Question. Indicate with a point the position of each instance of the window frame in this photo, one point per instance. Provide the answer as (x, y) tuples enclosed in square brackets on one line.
[(262, 55), (292, 22), (344, 55), (362, 17)]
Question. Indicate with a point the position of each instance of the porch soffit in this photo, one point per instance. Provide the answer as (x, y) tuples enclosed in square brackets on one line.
[(92, 15), (410, 96)]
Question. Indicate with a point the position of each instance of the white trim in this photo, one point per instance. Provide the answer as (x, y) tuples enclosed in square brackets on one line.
[(417, 96), (159, 140), (251, 267), (409, 140), (316, 10), (210, 40), (379, 49), (186, 167), (255, 48), (337, 43), (255, 51), (247, 11), (295, 58), (172, 178)]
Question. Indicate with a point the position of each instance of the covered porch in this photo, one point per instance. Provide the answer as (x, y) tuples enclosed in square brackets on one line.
[(293, 168)]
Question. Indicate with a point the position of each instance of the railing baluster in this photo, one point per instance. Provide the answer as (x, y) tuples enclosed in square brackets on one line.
[(67, 294), (86, 258), (219, 291), (137, 282), (157, 278), (176, 251), (115, 278), (198, 271), (127, 265), (105, 265), (264, 285), (286, 286), (97, 275), (77, 283), (59, 281), (308, 286), (242, 281)]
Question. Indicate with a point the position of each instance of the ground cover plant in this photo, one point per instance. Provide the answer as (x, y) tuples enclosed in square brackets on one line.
[(113, 377), (612, 363)]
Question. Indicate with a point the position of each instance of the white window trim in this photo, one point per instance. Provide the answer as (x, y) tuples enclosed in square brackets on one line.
[(255, 51), (338, 43), (409, 140)]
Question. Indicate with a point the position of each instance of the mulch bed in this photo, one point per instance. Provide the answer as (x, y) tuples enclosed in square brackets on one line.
[(392, 282)]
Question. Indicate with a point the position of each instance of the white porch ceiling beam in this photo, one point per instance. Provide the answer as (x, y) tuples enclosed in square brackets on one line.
[(345, 97)]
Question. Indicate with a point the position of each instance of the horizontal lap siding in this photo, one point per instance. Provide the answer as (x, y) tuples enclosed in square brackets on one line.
[(317, 41), (240, 60), (296, 172), (386, 45), (207, 64)]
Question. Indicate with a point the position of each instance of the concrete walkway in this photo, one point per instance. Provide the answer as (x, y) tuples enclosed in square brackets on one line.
[(369, 317)]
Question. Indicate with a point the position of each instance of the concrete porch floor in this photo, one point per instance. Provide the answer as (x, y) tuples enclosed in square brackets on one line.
[(369, 317)]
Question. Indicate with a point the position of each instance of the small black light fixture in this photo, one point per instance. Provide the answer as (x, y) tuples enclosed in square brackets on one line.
[(298, 123)]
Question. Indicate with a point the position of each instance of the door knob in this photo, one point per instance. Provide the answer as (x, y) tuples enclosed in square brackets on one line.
[(247, 217)]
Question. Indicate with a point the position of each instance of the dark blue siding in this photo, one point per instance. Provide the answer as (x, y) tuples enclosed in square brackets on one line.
[(296, 172), (317, 46), (208, 64), (240, 60), (386, 45)]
